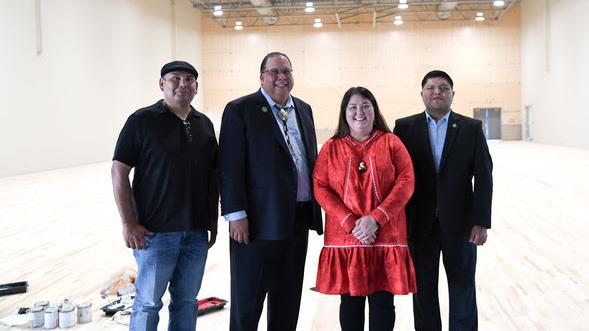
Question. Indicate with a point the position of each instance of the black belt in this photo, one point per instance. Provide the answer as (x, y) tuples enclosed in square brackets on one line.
[(303, 213), (303, 204)]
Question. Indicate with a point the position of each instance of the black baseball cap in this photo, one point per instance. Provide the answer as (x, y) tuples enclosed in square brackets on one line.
[(178, 66)]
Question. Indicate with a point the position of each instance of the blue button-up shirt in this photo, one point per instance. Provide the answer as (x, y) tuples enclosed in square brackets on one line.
[(437, 136)]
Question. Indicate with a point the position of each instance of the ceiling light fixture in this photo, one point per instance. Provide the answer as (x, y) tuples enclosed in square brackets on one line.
[(498, 3), (217, 11), (480, 17), (317, 23), (403, 4), (309, 7), (238, 25), (398, 20)]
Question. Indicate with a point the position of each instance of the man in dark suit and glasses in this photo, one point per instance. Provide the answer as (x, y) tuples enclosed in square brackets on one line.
[(267, 153), (447, 213)]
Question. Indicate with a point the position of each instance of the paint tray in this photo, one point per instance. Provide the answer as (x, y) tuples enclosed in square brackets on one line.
[(210, 304)]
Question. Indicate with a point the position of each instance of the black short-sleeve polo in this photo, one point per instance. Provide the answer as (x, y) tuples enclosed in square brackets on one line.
[(172, 173)]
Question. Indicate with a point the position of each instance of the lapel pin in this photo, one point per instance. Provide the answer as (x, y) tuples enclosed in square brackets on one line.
[(264, 109), (454, 125)]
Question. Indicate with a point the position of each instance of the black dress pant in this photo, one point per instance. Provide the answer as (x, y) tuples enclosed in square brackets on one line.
[(381, 312), (273, 268), (459, 258)]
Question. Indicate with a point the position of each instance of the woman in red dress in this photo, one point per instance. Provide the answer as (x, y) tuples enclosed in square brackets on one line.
[(363, 178)]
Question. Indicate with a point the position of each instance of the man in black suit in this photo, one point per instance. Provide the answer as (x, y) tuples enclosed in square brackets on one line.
[(267, 153), (447, 213)]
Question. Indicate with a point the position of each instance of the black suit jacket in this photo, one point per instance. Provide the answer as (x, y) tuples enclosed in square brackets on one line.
[(450, 194), (257, 173)]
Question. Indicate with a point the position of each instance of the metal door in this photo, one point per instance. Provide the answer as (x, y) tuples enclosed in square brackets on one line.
[(491, 118)]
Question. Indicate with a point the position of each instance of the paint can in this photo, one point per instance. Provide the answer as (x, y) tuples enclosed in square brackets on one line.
[(43, 304), (36, 317), (57, 306), (51, 318), (67, 316), (84, 312)]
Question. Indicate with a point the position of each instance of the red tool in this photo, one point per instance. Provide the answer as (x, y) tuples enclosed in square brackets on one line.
[(210, 304)]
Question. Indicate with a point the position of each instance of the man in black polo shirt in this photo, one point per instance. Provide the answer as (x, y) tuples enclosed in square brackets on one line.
[(173, 200)]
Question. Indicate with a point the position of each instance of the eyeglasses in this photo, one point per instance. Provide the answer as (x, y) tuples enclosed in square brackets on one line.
[(274, 72), (187, 132)]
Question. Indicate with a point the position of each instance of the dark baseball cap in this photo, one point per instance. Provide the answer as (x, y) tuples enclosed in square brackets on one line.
[(178, 66)]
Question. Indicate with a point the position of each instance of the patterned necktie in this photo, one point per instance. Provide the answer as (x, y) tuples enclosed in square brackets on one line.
[(283, 114)]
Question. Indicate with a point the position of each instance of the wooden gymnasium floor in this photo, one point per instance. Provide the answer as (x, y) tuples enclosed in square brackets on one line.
[(59, 230)]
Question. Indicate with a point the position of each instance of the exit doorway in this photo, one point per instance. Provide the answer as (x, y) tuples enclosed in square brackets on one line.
[(491, 118)]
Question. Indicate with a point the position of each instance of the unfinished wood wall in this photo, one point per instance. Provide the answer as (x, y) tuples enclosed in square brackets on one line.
[(483, 59)]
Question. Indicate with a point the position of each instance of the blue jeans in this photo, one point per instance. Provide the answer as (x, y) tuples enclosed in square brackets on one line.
[(177, 258)]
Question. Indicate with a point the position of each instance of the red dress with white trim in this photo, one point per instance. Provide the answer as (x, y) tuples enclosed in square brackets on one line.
[(354, 179)]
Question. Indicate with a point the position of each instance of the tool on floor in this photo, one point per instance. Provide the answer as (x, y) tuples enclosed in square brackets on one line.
[(13, 288), (210, 304)]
